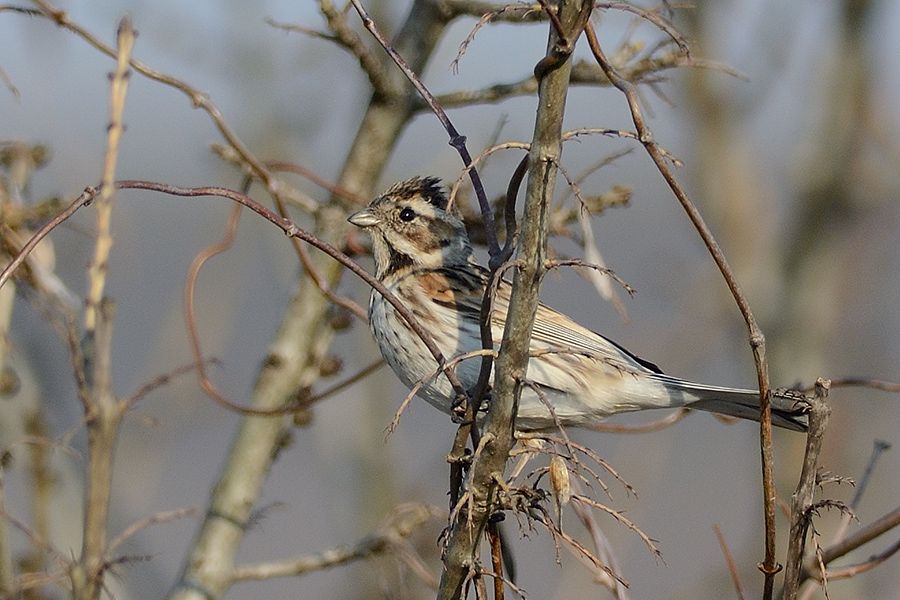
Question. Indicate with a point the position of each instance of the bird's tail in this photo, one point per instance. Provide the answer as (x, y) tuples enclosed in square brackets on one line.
[(788, 410)]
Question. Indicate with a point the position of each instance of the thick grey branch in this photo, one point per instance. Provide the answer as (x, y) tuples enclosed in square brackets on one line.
[(305, 336)]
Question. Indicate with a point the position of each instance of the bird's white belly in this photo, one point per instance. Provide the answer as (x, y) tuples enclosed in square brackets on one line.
[(411, 360)]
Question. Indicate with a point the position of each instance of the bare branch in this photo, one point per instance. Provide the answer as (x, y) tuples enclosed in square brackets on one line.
[(198, 99), (155, 384), (520, 12), (654, 17), (729, 560), (154, 519), (757, 340), (295, 352), (292, 230), (853, 541), (348, 39), (103, 412), (854, 570), (644, 70), (801, 501), (516, 13), (83, 199), (404, 523), (866, 382)]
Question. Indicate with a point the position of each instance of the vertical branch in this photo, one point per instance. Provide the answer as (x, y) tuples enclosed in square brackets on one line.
[(496, 559), (99, 265), (102, 429), (465, 534), (802, 499), (757, 340), (103, 413)]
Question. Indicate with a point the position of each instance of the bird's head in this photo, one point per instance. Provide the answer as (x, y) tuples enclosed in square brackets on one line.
[(413, 227)]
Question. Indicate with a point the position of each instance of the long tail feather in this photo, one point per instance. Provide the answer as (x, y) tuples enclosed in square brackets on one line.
[(787, 412)]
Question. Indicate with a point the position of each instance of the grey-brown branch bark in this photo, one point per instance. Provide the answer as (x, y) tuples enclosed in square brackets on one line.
[(466, 531), (304, 335)]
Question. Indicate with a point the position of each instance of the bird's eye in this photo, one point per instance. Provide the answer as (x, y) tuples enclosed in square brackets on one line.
[(407, 214)]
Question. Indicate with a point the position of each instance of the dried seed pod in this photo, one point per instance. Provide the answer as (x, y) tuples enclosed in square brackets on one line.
[(559, 481)]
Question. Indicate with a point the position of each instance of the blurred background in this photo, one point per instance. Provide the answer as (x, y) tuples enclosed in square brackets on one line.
[(794, 164)]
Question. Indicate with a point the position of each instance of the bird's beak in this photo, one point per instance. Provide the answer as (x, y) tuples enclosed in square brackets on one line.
[(364, 218)]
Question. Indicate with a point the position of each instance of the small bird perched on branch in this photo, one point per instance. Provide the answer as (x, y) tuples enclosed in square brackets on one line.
[(424, 257)]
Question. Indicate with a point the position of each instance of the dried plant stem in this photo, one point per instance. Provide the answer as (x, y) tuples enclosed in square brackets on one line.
[(802, 499), (102, 430), (99, 265), (853, 541), (102, 412), (729, 560), (466, 529), (757, 340)]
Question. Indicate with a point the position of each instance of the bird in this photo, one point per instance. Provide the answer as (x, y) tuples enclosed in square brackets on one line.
[(575, 377)]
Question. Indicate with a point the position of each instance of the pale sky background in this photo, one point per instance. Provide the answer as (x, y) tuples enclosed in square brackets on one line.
[(297, 99)]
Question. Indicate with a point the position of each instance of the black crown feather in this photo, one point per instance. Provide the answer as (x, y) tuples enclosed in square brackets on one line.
[(429, 188)]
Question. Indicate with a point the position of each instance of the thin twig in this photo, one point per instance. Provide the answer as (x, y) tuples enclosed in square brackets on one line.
[(97, 270), (649, 427), (346, 37), (867, 382), (190, 320), (198, 99), (654, 17), (853, 541), (85, 198), (155, 384), (854, 570), (879, 447), (729, 560), (498, 13), (291, 229), (769, 566), (342, 385), (154, 519), (603, 548)]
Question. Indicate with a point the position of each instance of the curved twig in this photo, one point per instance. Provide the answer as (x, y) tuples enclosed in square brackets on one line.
[(291, 229), (757, 340), (85, 198)]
